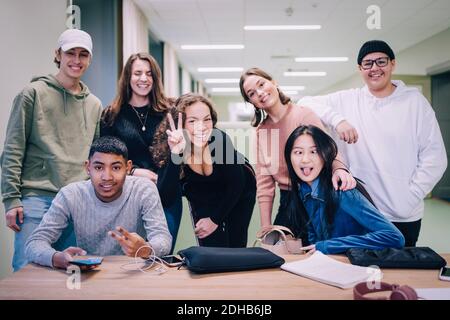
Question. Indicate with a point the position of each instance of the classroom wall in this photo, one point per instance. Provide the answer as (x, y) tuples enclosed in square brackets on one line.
[(170, 72), (135, 33), (100, 18), (221, 104)]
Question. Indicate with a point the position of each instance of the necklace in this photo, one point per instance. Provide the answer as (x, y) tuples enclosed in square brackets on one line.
[(141, 116)]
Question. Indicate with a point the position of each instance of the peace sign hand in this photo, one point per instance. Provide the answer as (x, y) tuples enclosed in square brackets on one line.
[(132, 244), (175, 137)]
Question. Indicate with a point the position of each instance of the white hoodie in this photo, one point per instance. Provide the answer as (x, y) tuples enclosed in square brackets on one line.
[(400, 154)]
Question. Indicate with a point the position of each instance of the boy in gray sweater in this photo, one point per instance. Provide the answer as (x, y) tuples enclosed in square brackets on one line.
[(111, 200)]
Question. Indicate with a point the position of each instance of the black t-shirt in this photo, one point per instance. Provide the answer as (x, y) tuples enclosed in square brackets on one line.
[(128, 127), (215, 195)]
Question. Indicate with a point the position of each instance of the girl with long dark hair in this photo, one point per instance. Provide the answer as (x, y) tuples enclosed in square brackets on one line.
[(215, 178), (326, 219)]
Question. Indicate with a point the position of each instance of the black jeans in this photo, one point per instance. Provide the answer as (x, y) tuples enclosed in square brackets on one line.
[(282, 219), (410, 231), (233, 232)]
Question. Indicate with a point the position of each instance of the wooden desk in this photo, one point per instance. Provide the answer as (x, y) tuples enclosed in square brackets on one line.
[(111, 282)]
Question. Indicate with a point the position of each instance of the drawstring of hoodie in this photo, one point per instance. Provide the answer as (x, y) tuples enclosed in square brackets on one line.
[(84, 111), (65, 101), (83, 107), (51, 80)]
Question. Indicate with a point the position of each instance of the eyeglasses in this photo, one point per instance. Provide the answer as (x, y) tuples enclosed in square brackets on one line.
[(381, 62)]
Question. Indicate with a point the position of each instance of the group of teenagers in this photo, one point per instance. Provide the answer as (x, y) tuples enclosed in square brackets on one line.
[(79, 179)]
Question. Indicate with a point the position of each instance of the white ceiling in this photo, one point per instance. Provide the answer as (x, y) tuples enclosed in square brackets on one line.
[(403, 24)]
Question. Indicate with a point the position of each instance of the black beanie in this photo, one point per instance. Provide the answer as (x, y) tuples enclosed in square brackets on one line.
[(375, 46)]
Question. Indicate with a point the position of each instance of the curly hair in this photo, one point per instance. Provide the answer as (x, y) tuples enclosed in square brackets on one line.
[(260, 115), (158, 101), (160, 148)]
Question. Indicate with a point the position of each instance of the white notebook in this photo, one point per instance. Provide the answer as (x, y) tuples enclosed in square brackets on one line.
[(322, 268), (433, 293)]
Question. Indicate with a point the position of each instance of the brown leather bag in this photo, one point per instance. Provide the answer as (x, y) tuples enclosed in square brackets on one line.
[(278, 239)]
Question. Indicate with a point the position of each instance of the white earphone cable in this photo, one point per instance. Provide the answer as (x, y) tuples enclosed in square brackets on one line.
[(144, 265)]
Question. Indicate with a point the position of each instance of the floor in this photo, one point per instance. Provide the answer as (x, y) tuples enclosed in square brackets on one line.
[(435, 232)]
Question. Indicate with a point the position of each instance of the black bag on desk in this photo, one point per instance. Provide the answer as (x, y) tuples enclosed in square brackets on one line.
[(406, 258), (216, 259)]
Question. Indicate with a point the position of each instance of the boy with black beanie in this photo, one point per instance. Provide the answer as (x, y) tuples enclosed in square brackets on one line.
[(400, 153)]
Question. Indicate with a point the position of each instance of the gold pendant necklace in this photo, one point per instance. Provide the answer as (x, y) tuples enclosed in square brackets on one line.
[(139, 117)]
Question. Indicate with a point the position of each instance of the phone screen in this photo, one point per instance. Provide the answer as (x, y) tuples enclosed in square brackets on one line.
[(445, 272), (171, 259), (87, 262)]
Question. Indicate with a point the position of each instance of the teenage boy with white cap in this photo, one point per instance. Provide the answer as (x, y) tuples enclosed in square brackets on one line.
[(400, 153), (52, 124)]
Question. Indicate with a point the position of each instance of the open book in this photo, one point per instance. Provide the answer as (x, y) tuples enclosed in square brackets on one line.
[(322, 268)]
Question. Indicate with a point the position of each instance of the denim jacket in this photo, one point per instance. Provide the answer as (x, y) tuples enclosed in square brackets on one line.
[(357, 223)]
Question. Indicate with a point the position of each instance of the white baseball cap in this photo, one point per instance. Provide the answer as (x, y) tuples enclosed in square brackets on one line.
[(74, 38)]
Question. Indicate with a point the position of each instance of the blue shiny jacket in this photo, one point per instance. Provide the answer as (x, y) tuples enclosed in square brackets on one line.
[(357, 223)]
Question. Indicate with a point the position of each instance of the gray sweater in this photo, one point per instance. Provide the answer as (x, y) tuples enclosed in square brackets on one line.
[(138, 209)]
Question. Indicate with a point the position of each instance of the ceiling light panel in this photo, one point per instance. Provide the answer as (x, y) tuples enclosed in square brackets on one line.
[(212, 46), (295, 88), (220, 69), (321, 59), (282, 27), (225, 90), (304, 73), (221, 80)]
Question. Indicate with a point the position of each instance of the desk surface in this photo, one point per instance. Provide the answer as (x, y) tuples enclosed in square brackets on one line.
[(111, 282)]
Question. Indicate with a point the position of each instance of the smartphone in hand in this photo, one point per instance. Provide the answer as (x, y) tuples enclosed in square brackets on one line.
[(87, 262)]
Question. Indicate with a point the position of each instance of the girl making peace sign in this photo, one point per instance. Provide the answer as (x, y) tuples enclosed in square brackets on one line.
[(215, 178)]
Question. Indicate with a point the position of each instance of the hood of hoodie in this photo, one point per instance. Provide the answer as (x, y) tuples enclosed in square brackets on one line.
[(400, 91), (51, 81)]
